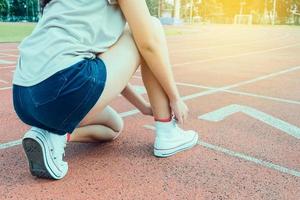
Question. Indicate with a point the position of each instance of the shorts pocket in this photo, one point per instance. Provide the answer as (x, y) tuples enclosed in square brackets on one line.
[(48, 90)]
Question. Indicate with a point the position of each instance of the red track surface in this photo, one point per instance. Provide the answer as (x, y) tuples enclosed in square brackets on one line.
[(239, 157)]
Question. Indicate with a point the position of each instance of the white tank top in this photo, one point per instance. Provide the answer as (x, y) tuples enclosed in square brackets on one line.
[(68, 32)]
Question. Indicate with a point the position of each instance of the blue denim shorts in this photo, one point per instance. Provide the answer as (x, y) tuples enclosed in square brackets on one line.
[(59, 103)]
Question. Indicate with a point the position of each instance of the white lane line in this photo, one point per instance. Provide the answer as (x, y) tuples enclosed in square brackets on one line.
[(243, 156), (262, 77), (212, 90), (242, 93), (10, 55), (258, 78), (3, 81), (225, 45), (8, 50), (7, 62), (204, 93), (236, 56), (8, 67), (263, 97), (222, 113), (140, 89), (129, 113), (241, 83), (18, 142), (251, 159), (5, 88), (10, 144)]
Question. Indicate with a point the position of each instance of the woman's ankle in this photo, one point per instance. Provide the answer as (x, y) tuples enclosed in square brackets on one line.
[(163, 119)]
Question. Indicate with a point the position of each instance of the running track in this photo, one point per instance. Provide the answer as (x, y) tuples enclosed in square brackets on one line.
[(242, 85)]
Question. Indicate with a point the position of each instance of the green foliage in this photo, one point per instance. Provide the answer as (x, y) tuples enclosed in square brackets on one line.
[(17, 8), (153, 7), (3, 8)]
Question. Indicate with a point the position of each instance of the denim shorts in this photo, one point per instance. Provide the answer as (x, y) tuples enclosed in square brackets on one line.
[(59, 103)]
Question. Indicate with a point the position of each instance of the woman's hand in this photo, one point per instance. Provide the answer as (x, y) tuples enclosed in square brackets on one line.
[(180, 110), (137, 100), (146, 109)]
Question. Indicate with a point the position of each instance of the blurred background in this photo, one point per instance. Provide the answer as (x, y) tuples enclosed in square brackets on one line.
[(185, 11)]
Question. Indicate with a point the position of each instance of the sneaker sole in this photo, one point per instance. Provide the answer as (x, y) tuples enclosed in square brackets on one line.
[(38, 162), (162, 153)]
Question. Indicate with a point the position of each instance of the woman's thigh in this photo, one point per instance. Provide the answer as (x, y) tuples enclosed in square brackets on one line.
[(121, 61)]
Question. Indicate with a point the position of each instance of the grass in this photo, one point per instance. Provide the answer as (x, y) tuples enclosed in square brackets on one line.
[(16, 32), (173, 31)]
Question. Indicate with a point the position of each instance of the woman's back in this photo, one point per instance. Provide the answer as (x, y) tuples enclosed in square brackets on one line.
[(68, 32)]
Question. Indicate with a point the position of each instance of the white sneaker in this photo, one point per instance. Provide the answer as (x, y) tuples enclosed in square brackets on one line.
[(45, 152), (170, 139)]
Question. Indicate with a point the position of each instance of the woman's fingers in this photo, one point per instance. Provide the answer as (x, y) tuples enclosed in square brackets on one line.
[(186, 114), (180, 110), (184, 117), (180, 119)]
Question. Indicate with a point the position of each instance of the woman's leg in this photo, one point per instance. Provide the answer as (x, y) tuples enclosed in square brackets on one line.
[(158, 99), (106, 126)]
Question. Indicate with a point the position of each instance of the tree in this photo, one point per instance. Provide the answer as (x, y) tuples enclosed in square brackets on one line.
[(32, 9), (153, 7), (211, 10), (24, 9), (3, 8), (17, 8)]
